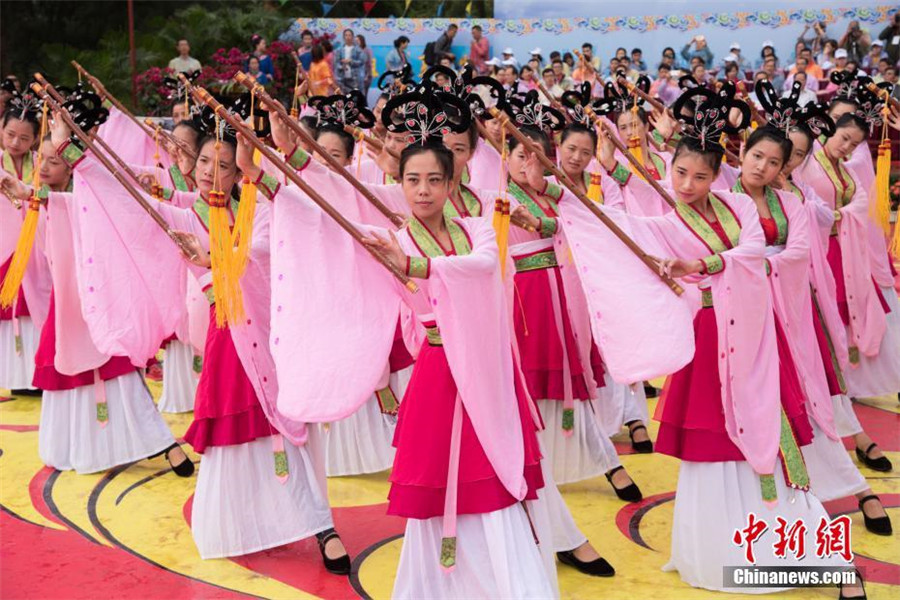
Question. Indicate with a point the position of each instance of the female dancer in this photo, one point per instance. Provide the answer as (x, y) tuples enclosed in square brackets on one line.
[(96, 412), (248, 459), (21, 323), (460, 470), (789, 246), (870, 311), (722, 411)]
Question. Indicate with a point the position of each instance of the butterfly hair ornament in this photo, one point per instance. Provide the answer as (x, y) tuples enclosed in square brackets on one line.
[(785, 113), (703, 126)]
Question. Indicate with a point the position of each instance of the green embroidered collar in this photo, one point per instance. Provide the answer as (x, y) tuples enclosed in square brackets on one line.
[(471, 205), (27, 166), (553, 194), (844, 186), (702, 228), (773, 202), (201, 209), (428, 243)]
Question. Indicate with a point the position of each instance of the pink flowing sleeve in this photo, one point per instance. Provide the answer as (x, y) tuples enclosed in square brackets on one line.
[(131, 277), (333, 308), (626, 300), (789, 282), (130, 142), (867, 319), (638, 197)]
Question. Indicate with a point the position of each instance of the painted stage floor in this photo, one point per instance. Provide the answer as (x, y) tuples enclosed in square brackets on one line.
[(126, 533)]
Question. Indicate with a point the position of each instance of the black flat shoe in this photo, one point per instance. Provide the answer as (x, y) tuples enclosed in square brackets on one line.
[(596, 568), (629, 493), (881, 464), (183, 469), (862, 583), (336, 566), (650, 391), (26, 392), (877, 525), (645, 447)]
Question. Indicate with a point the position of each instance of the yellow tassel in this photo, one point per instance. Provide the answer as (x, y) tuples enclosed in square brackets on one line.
[(595, 189), (880, 208), (19, 261), (634, 146)]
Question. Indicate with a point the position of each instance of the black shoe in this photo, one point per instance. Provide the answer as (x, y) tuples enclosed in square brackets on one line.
[(337, 566), (183, 469), (26, 392), (596, 568), (629, 493), (881, 464), (650, 391), (859, 578), (877, 525), (645, 447)]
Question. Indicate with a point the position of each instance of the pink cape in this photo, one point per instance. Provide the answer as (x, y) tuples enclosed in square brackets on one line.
[(464, 294), (867, 319), (129, 141), (789, 282)]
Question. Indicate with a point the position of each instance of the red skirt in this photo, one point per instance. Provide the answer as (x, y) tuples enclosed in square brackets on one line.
[(46, 377), (692, 425), (540, 349), (399, 358), (21, 307), (226, 408), (828, 359), (835, 260), (422, 439)]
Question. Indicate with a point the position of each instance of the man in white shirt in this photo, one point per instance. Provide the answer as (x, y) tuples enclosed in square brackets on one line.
[(184, 62), (806, 95)]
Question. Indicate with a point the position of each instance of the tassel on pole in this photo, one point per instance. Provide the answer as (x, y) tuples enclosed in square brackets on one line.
[(9, 291), (880, 208)]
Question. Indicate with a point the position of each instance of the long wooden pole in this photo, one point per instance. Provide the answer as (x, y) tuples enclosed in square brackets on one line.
[(101, 89), (275, 106), (170, 137), (89, 144), (482, 131), (883, 95), (201, 96), (588, 203), (663, 108), (614, 138), (371, 140), (109, 151)]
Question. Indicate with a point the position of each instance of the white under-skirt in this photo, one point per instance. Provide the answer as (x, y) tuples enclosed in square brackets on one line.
[(845, 421), (586, 453), (496, 557), (17, 370), (179, 379), (620, 404), (564, 533), (70, 437), (241, 507), (879, 375), (832, 473), (712, 501), (361, 443)]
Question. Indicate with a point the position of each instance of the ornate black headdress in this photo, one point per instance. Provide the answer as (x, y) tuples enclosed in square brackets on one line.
[(392, 82), (85, 107), (617, 100), (343, 109), (426, 115), (178, 91), (710, 119), (528, 111), (576, 100), (25, 107), (871, 105), (240, 108), (478, 92), (785, 113), (849, 84)]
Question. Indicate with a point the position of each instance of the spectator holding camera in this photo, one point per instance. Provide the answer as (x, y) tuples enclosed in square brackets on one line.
[(855, 41)]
